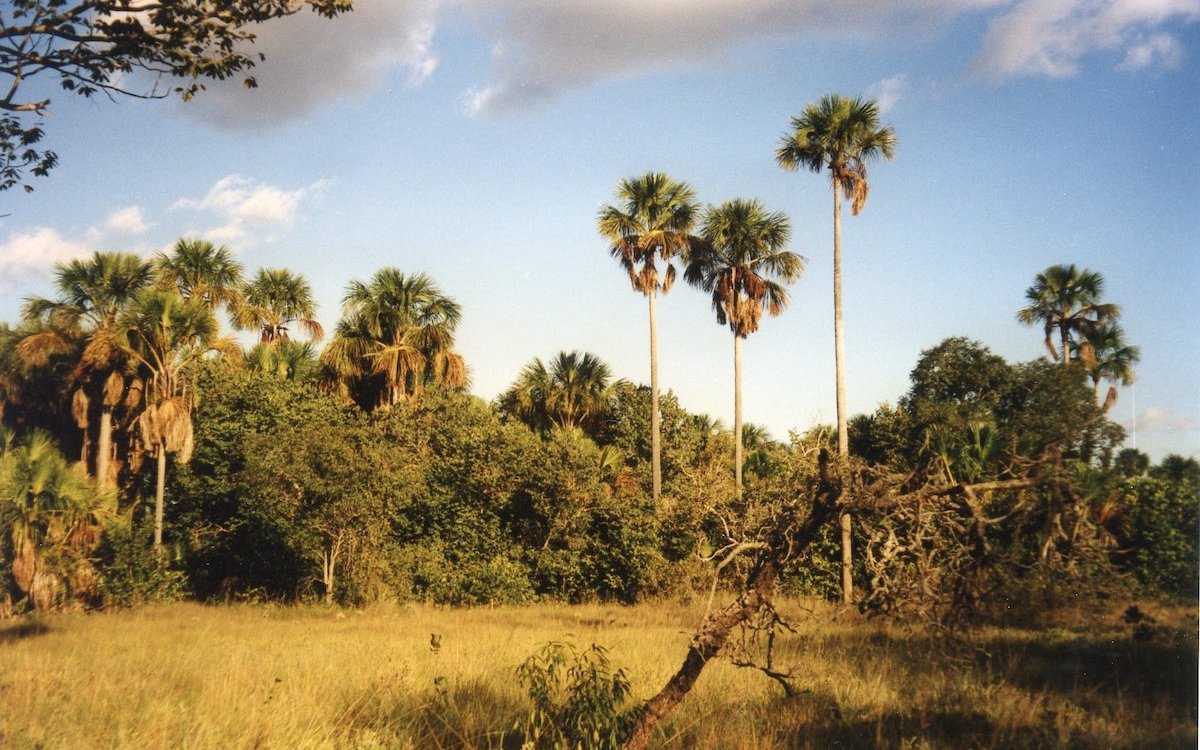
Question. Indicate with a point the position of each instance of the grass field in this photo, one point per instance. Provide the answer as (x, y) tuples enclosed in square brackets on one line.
[(193, 676)]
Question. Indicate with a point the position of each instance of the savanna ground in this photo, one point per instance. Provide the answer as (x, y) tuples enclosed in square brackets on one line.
[(195, 676)]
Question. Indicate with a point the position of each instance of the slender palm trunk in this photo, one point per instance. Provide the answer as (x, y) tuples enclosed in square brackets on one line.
[(655, 427), (737, 414), (160, 486), (104, 447), (839, 365)]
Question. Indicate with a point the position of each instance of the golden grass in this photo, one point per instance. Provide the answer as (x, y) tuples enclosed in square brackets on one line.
[(193, 676)]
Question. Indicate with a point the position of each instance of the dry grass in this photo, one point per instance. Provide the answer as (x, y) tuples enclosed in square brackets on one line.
[(192, 676)]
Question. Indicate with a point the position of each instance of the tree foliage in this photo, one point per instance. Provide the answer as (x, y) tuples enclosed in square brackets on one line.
[(118, 48)]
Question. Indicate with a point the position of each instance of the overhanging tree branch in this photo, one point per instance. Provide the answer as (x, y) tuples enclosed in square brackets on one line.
[(89, 46)]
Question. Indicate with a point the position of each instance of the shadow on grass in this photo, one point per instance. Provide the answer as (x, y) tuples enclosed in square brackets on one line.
[(466, 714), (1158, 671), (22, 630), (812, 721)]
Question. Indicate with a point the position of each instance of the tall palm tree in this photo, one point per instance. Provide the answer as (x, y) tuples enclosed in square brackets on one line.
[(572, 392), (1066, 299), (652, 222), (93, 292), (275, 300), (839, 134), (168, 337), (1106, 356), (741, 256), (395, 336), (197, 268)]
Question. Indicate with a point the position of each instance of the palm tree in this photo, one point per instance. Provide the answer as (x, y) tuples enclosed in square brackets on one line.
[(1106, 356), (741, 255), (285, 359), (841, 135), (652, 223), (395, 336), (49, 510), (93, 293), (1066, 299), (274, 300), (572, 392), (197, 268), (168, 337)]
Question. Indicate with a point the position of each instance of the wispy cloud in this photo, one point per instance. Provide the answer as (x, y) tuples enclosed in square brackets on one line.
[(888, 92), (541, 49), (243, 206), (1160, 419), (1051, 37)]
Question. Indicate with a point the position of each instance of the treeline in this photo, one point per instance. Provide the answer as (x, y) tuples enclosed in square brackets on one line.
[(276, 483)]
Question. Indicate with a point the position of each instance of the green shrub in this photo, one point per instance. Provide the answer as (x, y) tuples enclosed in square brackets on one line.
[(132, 572), (577, 698)]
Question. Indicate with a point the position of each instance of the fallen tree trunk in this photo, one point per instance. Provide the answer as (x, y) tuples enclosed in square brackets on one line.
[(786, 540)]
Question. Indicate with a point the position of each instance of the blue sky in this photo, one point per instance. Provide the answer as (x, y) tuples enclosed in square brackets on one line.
[(475, 140)]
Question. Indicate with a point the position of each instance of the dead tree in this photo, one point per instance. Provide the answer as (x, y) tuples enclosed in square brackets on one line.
[(788, 537), (792, 532)]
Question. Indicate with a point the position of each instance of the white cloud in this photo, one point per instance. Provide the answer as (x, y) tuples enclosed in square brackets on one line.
[(1051, 37), (1160, 50), (243, 206), (126, 221), (1160, 419), (312, 60), (37, 251), (476, 100), (543, 48), (888, 92)]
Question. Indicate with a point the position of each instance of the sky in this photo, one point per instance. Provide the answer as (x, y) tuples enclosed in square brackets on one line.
[(476, 140)]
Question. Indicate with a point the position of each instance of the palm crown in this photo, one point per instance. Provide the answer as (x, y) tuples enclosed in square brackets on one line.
[(1066, 299), (571, 392), (198, 269), (742, 250), (399, 328), (652, 222), (840, 134), (274, 300)]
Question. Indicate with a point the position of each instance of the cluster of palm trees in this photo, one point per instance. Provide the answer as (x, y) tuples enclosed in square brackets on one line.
[(125, 336), (738, 254), (1067, 301)]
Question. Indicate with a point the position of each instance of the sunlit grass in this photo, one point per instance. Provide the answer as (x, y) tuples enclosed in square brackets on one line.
[(193, 676)]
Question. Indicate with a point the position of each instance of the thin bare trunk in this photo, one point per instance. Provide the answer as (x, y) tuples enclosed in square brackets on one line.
[(104, 447), (327, 562), (840, 368), (655, 427), (160, 486), (737, 413)]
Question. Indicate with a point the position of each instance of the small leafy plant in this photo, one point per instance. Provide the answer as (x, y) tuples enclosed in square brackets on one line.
[(577, 698)]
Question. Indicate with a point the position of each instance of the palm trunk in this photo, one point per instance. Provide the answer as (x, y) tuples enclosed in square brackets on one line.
[(104, 447), (737, 414), (160, 486), (839, 366), (655, 426)]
